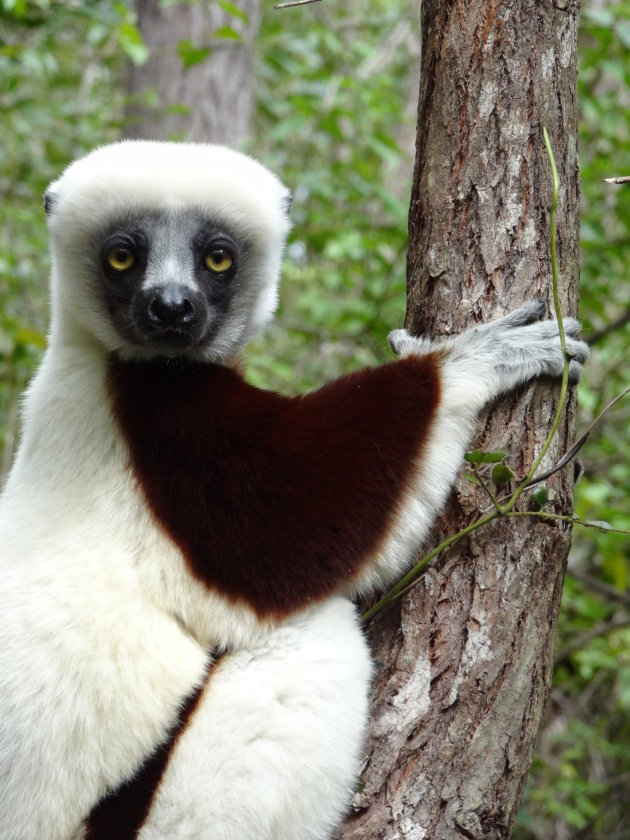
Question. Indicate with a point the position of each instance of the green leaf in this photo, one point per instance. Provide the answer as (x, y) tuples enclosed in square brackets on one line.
[(502, 475), (179, 108), (478, 456), (470, 476), (190, 54), (233, 10), (227, 33), (132, 44), (97, 34), (615, 567), (16, 7), (540, 496), (622, 30), (599, 523), (26, 335)]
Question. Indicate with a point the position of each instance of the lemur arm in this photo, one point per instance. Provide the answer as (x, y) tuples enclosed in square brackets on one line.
[(280, 501)]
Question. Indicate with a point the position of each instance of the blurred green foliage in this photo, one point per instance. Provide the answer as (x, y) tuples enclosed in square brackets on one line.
[(579, 786), (334, 118), (59, 96), (336, 89)]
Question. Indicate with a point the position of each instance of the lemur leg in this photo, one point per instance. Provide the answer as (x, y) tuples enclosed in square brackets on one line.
[(273, 749), (475, 367)]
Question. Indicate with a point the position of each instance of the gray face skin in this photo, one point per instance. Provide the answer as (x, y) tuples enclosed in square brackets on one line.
[(168, 279)]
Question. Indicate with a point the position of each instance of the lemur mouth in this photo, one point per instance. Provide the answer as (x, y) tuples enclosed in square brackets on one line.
[(170, 342)]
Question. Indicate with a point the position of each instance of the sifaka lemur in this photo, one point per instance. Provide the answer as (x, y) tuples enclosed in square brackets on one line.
[(180, 656)]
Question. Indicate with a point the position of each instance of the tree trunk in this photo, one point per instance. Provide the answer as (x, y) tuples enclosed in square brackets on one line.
[(465, 659), (210, 101)]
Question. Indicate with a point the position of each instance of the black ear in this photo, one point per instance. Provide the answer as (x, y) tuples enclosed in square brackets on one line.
[(287, 201), (49, 201)]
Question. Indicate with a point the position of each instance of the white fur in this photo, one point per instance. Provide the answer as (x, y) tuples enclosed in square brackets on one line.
[(283, 722), (103, 631)]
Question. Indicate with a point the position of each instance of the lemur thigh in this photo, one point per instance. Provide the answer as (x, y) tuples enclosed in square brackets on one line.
[(276, 739)]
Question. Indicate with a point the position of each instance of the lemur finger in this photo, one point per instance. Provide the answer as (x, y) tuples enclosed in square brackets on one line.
[(528, 313), (572, 327), (531, 312), (577, 351), (398, 341), (403, 344), (548, 330)]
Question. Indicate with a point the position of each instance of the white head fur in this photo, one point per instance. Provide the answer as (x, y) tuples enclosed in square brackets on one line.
[(172, 189)]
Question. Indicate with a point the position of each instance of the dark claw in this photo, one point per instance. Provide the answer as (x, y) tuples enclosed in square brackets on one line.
[(530, 312)]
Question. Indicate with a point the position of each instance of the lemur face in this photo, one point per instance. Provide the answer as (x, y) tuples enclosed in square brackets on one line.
[(170, 279), (163, 249)]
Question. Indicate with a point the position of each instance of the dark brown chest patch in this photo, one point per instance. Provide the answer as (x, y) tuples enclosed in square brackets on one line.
[(274, 500), (122, 812)]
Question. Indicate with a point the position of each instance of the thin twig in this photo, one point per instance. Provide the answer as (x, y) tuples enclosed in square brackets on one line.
[(621, 179), (572, 520), (487, 489), (566, 458), (579, 443), (294, 3)]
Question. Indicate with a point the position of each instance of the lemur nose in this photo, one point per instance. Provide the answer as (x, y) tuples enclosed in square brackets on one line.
[(170, 307)]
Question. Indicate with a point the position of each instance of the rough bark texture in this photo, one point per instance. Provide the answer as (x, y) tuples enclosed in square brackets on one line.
[(210, 101), (465, 660)]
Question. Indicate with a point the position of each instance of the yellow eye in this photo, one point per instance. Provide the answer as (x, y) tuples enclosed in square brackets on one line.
[(218, 260), (121, 258)]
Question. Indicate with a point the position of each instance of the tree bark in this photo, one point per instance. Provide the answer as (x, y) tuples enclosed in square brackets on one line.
[(464, 661), (210, 101)]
